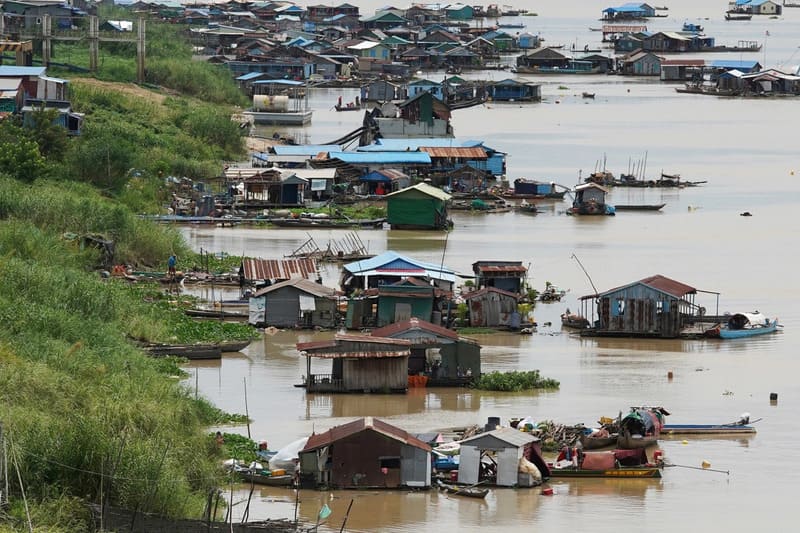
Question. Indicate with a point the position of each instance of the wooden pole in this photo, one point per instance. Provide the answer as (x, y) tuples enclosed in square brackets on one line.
[(246, 411), (341, 529)]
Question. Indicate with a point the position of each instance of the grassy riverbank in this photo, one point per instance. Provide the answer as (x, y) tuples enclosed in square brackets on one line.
[(86, 416)]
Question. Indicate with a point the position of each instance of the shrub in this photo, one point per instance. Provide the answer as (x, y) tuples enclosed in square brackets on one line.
[(514, 381)]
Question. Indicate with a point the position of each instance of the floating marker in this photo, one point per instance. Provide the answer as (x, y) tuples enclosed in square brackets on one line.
[(685, 442), (669, 374), (705, 464)]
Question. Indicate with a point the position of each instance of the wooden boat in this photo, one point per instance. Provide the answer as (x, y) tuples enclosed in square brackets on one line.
[(638, 207), (307, 222), (255, 476), (692, 28), (641, 427), (189, 351), (708, 429), (214, 313), (346, 108), (742, 325), (571, 320), (526, 207), (469, 492), (620, 464), (233, 346), (588, 95), (738, 16), (590, 442)]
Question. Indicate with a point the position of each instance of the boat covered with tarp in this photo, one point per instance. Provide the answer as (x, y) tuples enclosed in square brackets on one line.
[(740, 325), (641, 427), (625, 464)]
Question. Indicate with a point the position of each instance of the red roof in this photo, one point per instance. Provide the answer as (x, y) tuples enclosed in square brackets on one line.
[(414, 323), (657, 282), (333, 349), (502, 268), (357, 426)]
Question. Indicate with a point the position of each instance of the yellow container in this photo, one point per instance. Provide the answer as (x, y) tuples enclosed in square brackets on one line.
[(279, 472)]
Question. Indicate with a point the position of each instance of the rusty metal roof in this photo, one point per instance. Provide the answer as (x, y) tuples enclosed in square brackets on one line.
[(338, 349), (657, 282), (357, 426), (481, 292), (302, 284), (264, 269), (466, 152), (502, 268), (414, 324)]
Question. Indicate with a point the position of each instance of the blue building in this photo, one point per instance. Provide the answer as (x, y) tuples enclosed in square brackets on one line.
[(515, 90), (421, 86)]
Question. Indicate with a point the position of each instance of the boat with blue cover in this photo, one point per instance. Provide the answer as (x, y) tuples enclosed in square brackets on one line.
[(743, 325)]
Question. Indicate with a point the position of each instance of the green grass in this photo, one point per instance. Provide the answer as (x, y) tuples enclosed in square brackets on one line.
[(514, 381)]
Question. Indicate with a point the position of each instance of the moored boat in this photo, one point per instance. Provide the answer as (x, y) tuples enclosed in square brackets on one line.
[(619, 464), (572, 320), (641, 427), (470, 492), (638, 207), (707, 429), (742, 325), (265, 478)]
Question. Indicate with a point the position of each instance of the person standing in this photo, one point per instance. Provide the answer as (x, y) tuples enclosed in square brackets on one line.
[(171, 264)]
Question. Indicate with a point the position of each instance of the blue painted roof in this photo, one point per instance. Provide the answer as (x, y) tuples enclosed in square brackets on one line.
[(382, 158), (11, 70), (304, 149), (727, 63), (400, 264), (279, 82), (249, 76), (413, 145)]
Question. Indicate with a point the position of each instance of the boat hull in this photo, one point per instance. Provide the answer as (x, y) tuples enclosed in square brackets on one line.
[(645, 472), (707, 429), (628, 442), (725, 333), (289, 118)]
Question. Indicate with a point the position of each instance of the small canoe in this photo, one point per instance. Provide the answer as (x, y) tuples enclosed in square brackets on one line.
[(233, 346), (593, 443), (189, 351), (346, 108), (632, 472), (214, 313), (469, 492), (627, 441)]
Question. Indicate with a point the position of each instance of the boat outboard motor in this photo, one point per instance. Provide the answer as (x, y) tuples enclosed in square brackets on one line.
[(745, 419)]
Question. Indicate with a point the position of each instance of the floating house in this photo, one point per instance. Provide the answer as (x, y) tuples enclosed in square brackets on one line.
[(506, 275), (640, 63), (438, 353), (405, 299), (358, 364), (491, 307), (385, 181), (391, 267), (418, 207), (590, 199), (656, 306), (294, 303), (423, 115), (631, 10), (755, 7), (382, 91), (506, 447), (515, 90), (365, 454), (420, 86)]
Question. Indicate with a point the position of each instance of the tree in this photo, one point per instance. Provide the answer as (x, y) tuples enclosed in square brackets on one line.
[(19, 156), (51, 137)]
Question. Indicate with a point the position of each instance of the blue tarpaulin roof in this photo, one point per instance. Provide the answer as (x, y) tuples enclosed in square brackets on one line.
[(249, 76), (738, 65), (10, 70), (390, 262)]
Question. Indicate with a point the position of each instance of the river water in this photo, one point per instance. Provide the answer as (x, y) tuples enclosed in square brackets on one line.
[(746, 152)]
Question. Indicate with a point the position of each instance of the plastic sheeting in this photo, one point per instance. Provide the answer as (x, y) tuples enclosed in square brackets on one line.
[(286, 456)]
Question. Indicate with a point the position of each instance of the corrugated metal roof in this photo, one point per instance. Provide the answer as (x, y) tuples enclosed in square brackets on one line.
[(293, 83), (305, 285), (249, 76), (412, 267), (591, 185), (357, 426), (437, 193), (381, 158), (657, 282), (359, 354), (502, 268), (683, 62), (414, 324), (480, 292), (508, 435), (11, 70), (455, 151), (338, 350), (412, 145), (264, 269)]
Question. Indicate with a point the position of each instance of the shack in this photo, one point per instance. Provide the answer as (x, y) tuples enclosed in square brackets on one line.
[(384, 181), (404, 299), (492, 308), (506, 275), (656, 306), (365, 453), (440, 354), (358, 364), (515, 90), (494, 458), (418, 207), (294, 303)]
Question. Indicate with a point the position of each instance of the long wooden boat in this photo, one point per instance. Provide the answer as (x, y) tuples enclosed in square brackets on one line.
[(738, 16), (631, 472), (628, 441), (469, 492), (213, 313), (571, 320), (346, 108), (638, 207), (593, 443), (233, 346), (189, 351), (327, 223), (708, 429), (640, 427)]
